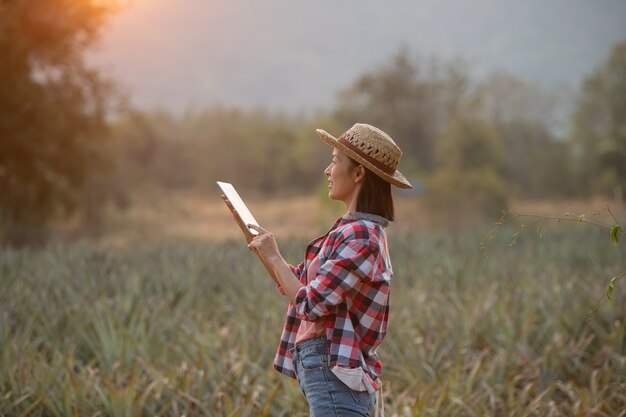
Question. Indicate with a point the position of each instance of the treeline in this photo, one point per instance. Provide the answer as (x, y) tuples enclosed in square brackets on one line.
[(469, 145), (466, 143)]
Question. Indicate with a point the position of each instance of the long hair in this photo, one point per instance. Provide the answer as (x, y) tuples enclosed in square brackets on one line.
[(375, 195)]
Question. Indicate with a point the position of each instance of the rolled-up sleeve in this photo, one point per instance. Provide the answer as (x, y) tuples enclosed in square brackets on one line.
[(351, 262)]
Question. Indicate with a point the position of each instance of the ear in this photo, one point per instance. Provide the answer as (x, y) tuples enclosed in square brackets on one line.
[(359, 174)]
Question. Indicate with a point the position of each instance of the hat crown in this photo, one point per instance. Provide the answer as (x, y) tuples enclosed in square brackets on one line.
[(374, 143)]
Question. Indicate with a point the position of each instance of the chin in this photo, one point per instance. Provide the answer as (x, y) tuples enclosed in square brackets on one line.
[(333, 195)]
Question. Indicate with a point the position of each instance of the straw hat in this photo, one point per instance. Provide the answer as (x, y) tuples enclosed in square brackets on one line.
[(372, 148)]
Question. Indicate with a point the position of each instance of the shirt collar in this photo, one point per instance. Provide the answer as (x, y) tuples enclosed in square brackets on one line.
[(351, 216), (357, 215)]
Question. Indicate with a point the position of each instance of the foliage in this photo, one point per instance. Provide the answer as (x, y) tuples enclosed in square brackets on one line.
[(599, 125), (470, 145), (616, 231), (510, 215), (474, 143), (258, 151), (191, 329), (468, 181), (420, 102), (457, 198), (54, 110), (502, 98), (537, 163), (412, 100)]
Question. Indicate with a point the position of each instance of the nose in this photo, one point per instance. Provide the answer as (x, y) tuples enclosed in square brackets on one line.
[(327, 171)]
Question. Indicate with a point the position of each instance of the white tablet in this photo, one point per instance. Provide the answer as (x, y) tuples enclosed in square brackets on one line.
[(244, 214)]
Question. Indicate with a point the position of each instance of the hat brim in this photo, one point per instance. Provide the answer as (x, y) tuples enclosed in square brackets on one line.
[(396, 179)]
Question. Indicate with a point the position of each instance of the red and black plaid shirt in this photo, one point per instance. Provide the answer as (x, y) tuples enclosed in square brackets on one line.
[(351, 291)]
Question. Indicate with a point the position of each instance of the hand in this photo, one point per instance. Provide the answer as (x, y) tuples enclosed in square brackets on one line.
[(264, 244), (246, 232)]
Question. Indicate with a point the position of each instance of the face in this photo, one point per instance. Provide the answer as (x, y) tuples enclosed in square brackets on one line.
[(344, 180)]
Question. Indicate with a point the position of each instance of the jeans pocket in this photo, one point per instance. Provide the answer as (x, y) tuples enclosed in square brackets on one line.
[(313, 360), (363, 398)]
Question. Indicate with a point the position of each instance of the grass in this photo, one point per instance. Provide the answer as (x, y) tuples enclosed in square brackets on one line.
[(191, 329)]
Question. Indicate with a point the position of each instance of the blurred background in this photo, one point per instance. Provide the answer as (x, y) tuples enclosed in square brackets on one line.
[(125, 286), (118, 117)]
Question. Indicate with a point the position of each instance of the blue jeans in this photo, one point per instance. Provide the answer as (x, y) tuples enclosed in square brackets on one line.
[(326, 394)]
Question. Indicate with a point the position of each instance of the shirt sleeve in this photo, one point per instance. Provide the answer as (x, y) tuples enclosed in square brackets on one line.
[(351, 262)]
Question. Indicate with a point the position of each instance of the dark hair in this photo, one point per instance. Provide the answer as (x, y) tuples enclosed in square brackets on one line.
[(375, 195)]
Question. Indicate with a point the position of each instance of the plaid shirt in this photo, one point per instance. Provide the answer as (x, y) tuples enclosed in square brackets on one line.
[(351, 291)]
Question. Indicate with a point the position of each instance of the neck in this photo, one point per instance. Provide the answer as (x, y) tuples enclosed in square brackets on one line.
[(350, 202)]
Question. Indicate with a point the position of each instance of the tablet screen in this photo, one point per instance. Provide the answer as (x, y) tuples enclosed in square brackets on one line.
[(232, 194)]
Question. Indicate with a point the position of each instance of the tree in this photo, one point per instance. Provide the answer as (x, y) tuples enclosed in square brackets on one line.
[(411, 101), (503, 98), (53, 111), (468, 183), (599, 125), (537, 162)]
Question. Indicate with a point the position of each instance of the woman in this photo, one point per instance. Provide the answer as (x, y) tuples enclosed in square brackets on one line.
[(339, 295)]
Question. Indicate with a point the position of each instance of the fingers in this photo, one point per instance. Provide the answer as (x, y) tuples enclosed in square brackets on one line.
[(228, 203), (260, 236), (230, 206), (246, 232), (253, 245), (259, 229)]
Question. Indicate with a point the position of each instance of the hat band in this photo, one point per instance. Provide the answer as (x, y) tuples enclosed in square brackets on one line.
[(386, 169)]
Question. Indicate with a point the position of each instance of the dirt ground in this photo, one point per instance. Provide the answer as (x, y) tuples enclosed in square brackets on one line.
[(195, 217)]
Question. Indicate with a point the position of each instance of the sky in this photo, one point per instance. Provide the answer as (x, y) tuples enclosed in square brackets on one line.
[(294, 56)]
